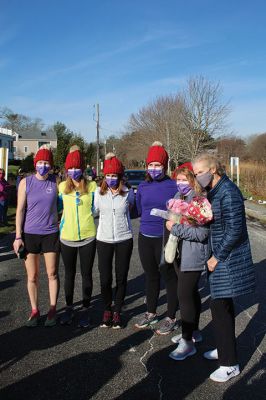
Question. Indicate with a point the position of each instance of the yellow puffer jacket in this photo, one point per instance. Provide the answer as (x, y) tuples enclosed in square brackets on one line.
[(77, 221)]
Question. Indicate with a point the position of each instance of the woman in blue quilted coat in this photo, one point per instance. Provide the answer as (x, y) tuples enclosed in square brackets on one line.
[(231, 271)]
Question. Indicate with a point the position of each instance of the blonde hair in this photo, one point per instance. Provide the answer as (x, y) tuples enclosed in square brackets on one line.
[(212, 161), (70, 187)]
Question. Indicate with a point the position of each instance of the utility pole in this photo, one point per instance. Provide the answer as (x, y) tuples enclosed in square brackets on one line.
[(98, 139)]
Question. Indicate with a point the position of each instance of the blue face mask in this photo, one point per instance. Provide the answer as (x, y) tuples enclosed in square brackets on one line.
[(43, 169), (74, 174), (111, 182), (156, 173), (183, 188)]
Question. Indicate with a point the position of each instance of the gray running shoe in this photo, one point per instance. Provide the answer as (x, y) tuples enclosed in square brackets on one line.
[(167, 326), (146, 320), (184, 349), (197, 337)]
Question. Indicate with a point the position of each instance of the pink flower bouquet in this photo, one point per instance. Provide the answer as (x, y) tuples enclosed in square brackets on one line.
[(197, 212)]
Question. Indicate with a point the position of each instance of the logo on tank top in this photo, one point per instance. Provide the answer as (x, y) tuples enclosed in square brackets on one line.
[(49, 190)]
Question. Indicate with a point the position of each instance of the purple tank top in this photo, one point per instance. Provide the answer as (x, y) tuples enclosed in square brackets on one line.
[(41, 210)]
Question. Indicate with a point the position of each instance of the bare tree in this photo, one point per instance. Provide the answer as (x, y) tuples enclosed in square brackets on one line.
[(204, 114), (257, 148), (158, 121), (231, 146), (18, 122), (186, 123)]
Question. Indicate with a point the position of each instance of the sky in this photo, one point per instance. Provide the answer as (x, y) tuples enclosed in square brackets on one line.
[(60, 57)]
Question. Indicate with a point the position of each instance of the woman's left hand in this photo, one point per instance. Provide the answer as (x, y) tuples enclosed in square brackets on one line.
[(212, 263), (169, 225)]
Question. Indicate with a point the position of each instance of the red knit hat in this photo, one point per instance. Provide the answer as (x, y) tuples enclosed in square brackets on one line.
[(157, 153), (112, 165), (44, 154), (187, 165), (74, 159)]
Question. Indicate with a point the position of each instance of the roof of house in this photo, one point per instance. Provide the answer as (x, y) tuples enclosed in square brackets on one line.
[(37, 135)]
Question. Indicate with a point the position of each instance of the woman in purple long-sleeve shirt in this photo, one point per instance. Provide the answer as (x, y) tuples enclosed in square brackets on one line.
[(154, 193)]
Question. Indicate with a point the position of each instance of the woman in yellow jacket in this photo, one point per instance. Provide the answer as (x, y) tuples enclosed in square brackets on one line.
[(77, 234)]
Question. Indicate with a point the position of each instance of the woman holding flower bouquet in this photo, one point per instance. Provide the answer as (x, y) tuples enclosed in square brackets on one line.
[(231, 270), (192, 255)]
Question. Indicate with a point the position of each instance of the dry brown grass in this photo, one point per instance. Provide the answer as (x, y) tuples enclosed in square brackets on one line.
[(253, 179)]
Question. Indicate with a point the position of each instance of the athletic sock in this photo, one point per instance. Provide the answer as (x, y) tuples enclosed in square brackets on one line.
[(51, 312)]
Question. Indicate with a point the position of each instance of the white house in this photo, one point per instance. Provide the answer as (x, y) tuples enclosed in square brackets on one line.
[(6, 140)]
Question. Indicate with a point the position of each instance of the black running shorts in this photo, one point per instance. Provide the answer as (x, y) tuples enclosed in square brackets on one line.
[(37, 244)]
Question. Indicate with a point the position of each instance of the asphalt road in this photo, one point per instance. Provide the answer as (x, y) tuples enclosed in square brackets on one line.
[(76, 364)]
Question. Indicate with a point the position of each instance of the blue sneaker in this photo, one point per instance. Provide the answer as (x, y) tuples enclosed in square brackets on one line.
[(84, 321), (67, 317)]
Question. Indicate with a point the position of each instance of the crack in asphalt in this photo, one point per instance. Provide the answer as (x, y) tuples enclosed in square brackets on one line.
[(147, 372)]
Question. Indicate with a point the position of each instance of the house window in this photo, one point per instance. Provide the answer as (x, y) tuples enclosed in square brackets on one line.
[(41, 143), (10, 146), (0, 142), (14, 149), (43, 133), (25, 149)]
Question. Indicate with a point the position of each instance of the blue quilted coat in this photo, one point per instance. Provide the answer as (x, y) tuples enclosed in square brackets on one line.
[(234, 274)]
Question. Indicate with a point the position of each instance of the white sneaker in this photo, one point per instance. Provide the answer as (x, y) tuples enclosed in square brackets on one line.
[(184, 349), (196, 337), (211, 354), (223, 374)]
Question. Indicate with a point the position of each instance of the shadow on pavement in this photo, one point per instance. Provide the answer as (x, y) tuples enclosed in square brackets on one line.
[(8, 283), (251, 385), (77, 378)]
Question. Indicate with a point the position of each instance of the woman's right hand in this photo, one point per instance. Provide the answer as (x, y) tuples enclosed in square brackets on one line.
[(17, 244)]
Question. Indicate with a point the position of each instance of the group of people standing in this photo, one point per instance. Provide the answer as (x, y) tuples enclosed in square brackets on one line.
[(221, 248)]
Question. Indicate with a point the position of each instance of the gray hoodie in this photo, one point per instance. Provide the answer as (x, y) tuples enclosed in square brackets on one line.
[(114, 220)]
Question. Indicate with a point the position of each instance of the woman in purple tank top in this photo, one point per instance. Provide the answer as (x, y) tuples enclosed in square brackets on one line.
[(37, 232)]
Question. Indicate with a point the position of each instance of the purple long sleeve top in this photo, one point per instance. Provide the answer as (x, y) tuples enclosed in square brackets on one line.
[(153, 195)]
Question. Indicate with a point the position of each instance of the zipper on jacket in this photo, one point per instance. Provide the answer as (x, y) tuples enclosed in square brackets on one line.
[(78, 221), (113, 207)]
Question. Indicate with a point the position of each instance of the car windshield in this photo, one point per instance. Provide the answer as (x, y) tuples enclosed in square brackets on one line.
[(135, 175)]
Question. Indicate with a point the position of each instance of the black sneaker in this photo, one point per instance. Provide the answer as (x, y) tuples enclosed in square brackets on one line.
[(117, 321), (107, 319)]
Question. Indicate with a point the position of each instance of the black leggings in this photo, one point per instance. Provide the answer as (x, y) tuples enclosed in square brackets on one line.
[(106, 252), (150, 256), (189, 301), (86, 256), (223, 317)]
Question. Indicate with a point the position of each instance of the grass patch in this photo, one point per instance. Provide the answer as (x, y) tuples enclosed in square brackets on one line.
[(253, 180), (11, 218), (13, 169)]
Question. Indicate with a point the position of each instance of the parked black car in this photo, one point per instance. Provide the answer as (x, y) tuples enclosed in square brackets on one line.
[(135, 176)]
